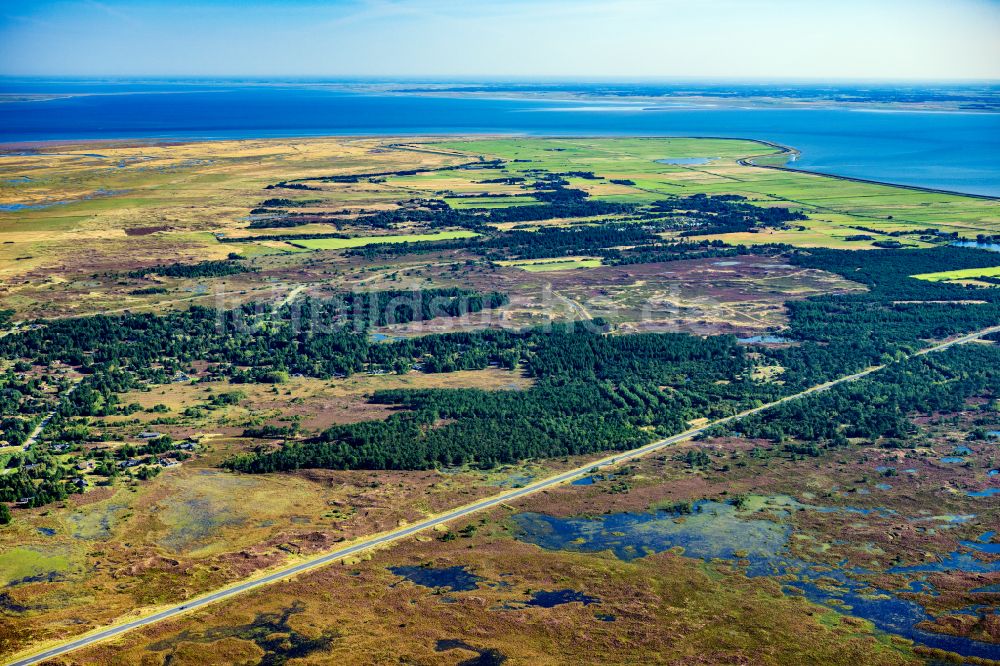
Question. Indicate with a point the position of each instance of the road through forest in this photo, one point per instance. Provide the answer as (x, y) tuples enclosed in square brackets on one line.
[(367, 543)]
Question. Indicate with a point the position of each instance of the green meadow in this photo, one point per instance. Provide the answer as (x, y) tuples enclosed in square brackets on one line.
[(566, 264), (344, 243), (837, 208), (964, 274)]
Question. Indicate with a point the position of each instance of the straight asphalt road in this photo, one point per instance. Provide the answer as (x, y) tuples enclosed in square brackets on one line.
[(488, 503)]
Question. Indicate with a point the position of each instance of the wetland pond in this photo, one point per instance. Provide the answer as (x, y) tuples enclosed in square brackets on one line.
[(460, 579), (717, 531), (15, 207), (763, 340), (553, 598), (457, 578), (272, 633), (384, 337), (591, 479), (486, 656)]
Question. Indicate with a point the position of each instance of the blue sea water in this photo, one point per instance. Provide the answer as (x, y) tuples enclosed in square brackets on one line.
[(956, 151)]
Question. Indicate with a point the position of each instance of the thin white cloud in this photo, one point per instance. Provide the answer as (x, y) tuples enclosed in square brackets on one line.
[(113, 12), (936, 39)]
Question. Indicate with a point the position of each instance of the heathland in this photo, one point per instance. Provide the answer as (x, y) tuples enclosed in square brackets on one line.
[(221, 358)]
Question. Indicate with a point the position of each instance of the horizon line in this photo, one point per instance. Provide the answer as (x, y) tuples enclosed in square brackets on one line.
[(496, 78)]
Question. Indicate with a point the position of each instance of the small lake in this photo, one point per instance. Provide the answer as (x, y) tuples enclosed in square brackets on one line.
[(549, 599), (384, 337), (591, 479), (458, 578), (763, 340)]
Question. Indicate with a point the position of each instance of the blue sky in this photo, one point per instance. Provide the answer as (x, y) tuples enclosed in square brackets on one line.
[(772, 39)]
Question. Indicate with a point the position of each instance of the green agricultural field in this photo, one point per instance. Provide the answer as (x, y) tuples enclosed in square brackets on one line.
[(963, 274), (554, 264), (181, 458), (836, 208), (344, 243), (489, 202)]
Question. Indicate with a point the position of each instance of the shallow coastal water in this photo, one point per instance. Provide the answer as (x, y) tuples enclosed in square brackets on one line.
[(955, 151)]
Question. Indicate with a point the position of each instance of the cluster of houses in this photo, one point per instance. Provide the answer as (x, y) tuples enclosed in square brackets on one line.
[(163, 461), (84, 466), (79, 482)]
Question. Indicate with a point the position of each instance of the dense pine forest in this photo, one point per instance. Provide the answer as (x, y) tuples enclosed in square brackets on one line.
[(593, 390)]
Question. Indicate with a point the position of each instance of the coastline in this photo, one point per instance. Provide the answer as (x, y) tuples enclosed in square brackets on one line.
[(12, 148), (981, 98), (749, 162)]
